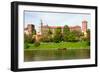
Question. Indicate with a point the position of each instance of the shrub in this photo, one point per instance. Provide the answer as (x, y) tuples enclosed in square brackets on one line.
[(57, 38), (88, 43), (36, 44), (28, 39), (73, 37), (46, 38), (26, 46)]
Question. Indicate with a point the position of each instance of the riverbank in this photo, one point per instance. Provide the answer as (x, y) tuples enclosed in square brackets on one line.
[(67, 45)]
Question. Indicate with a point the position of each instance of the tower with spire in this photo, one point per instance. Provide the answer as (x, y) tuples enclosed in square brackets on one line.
[(41, 24)]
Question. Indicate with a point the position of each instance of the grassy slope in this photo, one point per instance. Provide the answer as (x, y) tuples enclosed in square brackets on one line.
[(68, 45)]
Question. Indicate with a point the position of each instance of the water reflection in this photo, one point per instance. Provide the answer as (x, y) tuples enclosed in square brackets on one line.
[(42, 55)]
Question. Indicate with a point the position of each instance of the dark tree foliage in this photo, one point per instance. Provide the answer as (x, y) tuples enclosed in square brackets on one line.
[(74, 36), (88, 37), (28, 39), (66, 29), (58, 35), (47, 37), (36, 44), (66, 32)]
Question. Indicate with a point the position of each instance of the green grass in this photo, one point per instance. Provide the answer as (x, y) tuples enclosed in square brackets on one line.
[(68, 45)]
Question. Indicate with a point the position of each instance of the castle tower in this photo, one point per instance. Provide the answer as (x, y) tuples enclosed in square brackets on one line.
[(41, 23), (84, 27)]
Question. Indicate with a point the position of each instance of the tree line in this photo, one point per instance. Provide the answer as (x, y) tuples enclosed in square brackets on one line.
[(66, 36)]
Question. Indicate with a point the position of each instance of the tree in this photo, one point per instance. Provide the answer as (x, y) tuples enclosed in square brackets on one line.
[(71, 37), (88, 37), (28, 39), (47, 37), (66, 32), (36, 44), (74, 36), (49, 32), (58, 30), (58, 35), (34, 32), (88, 34), (66, 29)]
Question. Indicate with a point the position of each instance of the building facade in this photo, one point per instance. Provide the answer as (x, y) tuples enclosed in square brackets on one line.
[(45, 28)]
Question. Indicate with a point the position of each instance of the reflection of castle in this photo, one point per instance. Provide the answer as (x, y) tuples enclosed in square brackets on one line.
[(45, 28)]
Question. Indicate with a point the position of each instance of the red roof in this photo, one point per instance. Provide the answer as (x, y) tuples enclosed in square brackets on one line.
[(71, 27), (56, 26)]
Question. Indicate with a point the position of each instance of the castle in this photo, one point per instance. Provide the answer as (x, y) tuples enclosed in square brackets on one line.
[(45, 28)]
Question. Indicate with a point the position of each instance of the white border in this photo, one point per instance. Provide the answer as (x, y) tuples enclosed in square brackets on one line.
[(22, 64)]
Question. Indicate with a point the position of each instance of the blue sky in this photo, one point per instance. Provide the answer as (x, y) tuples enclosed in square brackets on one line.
[(55, 18)]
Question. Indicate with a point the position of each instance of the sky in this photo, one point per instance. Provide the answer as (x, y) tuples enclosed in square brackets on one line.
[(55, 18)]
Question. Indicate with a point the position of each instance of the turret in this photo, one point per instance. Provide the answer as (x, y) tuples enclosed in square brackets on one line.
[(84, 27)]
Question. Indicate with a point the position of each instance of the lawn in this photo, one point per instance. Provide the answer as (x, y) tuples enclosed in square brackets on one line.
[(68, 45)]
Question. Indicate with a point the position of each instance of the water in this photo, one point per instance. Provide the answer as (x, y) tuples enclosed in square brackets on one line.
[(67, 54)]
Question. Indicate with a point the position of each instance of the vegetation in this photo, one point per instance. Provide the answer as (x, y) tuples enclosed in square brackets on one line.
[(57, 36), (26, 45), (68, 45), (66, 33), (65, 39), (28, 39), (47, 37), (74, 36), (88, 37), (36, 44)]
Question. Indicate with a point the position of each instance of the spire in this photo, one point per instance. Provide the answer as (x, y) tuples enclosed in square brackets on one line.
[(41, 23)]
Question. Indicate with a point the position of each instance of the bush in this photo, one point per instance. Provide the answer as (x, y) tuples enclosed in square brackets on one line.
[(57, 38), (46, 38), (28, 39), (26, 46), (36, 44), (57, 35), (88, 43), (73, 37)]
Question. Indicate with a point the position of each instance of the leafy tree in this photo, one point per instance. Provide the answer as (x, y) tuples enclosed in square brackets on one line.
[(47, 37), (36, 44), (66, 32), (66, 29), (34, 32), (88, 34), (88, 37), (26, 46), (49, 32), (58, 30), (28, 39), (58, 35), (73, 36)]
